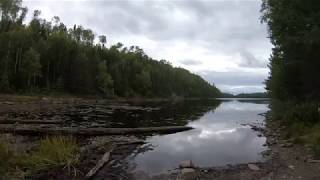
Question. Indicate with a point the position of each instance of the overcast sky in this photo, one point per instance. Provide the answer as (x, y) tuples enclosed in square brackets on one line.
[(221, 40)]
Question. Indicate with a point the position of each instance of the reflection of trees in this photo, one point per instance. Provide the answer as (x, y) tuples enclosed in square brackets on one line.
[(141, 114), (169, 113), (254, 101)]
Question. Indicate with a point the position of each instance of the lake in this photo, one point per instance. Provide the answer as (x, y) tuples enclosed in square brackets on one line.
[(219, 136)]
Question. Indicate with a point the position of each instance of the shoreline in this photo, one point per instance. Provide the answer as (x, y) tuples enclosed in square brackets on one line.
[(285, 160)]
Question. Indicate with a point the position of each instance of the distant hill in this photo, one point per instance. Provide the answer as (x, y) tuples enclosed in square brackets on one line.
[(244, 95)]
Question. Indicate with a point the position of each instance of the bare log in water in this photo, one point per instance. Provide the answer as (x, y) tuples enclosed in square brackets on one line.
[(19, 121), (99, 165), (32, 130)]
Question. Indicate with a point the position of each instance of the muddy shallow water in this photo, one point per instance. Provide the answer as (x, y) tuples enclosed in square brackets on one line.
[(219, 138)]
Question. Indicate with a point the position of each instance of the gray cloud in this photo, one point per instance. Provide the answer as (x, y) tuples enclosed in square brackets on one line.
[(234, 78), (214, 27), (249, 60), (190, 62), (200, 20), (236, 81)]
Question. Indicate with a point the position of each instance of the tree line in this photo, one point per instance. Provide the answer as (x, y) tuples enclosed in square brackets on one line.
[(294, 84), (294, 30), (47, 56)]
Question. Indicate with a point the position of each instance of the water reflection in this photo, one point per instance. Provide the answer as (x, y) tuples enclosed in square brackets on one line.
[(171, 113), (218, 139)]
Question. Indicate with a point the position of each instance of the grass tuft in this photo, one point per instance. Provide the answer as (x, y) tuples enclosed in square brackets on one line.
[(55, 152), (5, 156)]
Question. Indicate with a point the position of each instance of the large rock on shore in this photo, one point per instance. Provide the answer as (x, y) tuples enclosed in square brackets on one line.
[(187, 171), (186, 164), (187, 174)]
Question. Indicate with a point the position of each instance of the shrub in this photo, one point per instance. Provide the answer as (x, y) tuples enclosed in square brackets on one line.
[(306, 113)]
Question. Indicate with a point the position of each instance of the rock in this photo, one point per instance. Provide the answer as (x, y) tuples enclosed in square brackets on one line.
[(313, 161), (205, 170), (270, 141), (253, 167), (286, 145), (186, 164), (291, 167), (187, 170), (187, 174), (8, 103), (266, 153), (44, 99)]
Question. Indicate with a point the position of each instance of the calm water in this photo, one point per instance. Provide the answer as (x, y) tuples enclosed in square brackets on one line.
[(218, 138)]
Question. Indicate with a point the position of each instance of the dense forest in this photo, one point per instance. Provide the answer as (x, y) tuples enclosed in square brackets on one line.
[(294, 84), (294, 29), (46, 56)]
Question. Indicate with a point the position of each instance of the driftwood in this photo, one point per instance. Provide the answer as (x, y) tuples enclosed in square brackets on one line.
[(106, 157), (33, 130), (99, 165), (19, 121)]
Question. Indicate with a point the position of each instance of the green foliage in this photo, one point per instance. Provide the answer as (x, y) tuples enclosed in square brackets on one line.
[(31, 66), (48, 56), (305, 112), (294, 66), (302, 121), (296, 115), (295, 33), (104, 80), (5, 156), (4, 83), (54, 152), (12, 160)]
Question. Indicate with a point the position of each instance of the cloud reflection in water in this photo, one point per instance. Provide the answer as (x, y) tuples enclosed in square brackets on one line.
[(218, 139)]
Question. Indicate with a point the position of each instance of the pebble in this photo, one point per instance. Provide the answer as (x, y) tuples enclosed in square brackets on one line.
[(313, 161), (286, 145), (291, 167), (205, 170), (253, 167), (8, 103)]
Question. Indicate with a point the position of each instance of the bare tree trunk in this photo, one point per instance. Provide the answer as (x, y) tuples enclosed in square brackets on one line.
[(29, 80), (48, 75), (16, 63), (20, 60)]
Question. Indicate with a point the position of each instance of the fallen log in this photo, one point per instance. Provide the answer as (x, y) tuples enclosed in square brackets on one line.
[(33, 130), (19, 121), (99, 165)]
